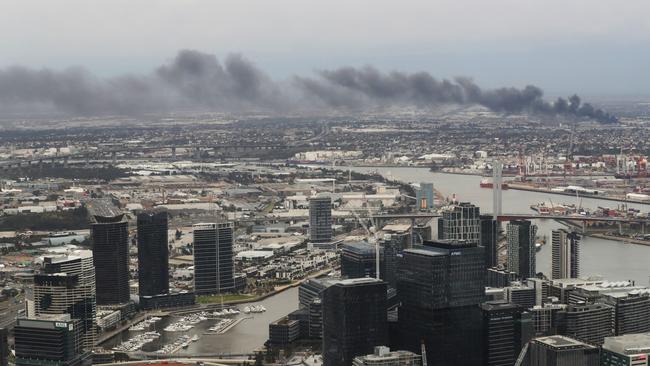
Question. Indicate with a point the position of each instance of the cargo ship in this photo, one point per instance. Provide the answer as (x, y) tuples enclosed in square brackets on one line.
[(486, 183)]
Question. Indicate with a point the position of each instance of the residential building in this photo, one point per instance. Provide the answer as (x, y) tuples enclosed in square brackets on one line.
[(110, 237), (490, 239), (213, 258), (320, 219), (460, 222), (153, 254), (521, 248), (565, 254)]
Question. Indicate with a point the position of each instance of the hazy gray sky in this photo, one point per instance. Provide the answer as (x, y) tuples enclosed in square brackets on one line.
[(563, 46)]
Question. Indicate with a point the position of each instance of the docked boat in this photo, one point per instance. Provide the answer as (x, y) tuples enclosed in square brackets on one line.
[(487, 183)]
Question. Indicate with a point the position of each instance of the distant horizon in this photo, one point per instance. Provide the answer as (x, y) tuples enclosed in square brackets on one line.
[(591, 48)]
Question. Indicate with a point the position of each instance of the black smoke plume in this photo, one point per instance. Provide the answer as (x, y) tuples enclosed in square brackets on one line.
[(195, 80)]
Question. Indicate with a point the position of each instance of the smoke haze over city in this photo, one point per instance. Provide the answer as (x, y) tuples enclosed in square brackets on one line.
[(196, 80)]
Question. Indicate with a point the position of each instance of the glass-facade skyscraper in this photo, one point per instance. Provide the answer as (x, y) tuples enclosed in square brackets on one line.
[(358, 260), (521, 248), (111, 257), (153, 254), (440, 286), (490, 240), (213, 258), (506, 328), (354, 319), (320, 219)]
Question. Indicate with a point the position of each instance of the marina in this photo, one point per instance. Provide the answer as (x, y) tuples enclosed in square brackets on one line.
[(187, 322), (241, 335), (145, 324), (136, 343)]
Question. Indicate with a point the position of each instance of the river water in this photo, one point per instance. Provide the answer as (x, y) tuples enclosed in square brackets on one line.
[(613, 260), (243, 338)]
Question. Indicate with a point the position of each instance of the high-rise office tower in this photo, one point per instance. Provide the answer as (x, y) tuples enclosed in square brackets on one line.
[(110, 236), (506, 328), (310, 294), (631, 349), (213, 258), (490, 239), (49, 340), (354, 319), (460, 222), (153, 254), (358, 260), (559, 350), (521, 248), (66, 285), (320, 219), (566, 254), (589, 323), (425, 197), (440, 286)]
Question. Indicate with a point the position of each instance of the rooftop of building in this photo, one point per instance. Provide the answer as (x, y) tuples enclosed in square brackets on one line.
[(50, 317), (561, 342), (103, 210), (284, 321), (573, 282), (75, 254), (499, 305), (440, 247), (358, 281), (628, 344), (360, 247), (382, 353)]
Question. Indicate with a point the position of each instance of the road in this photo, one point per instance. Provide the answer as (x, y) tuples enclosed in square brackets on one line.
[(9, 311)]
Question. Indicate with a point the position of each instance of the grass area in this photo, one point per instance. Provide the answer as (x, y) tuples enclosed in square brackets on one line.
[(216, 299), (269, 207)]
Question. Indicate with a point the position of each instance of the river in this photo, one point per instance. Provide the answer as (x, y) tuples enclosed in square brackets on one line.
[(613, 260)]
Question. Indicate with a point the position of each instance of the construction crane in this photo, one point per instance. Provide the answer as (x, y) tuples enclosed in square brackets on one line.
[(569, 153), (371, 239), (522, 355), (423, 351)]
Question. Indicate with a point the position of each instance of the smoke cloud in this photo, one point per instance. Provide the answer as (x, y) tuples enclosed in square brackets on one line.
[(195, 80)]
